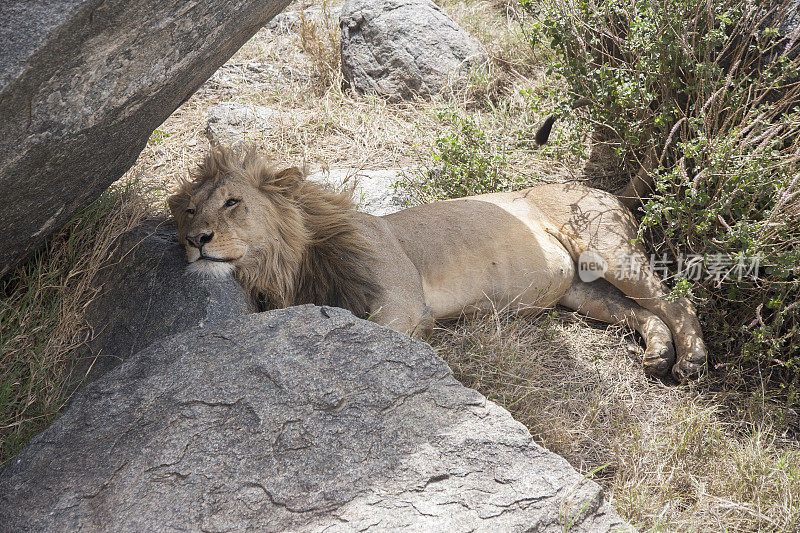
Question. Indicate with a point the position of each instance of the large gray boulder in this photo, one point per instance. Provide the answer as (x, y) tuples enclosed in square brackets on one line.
[(146, 294), (302, 419), (403, 48), (83, 84)]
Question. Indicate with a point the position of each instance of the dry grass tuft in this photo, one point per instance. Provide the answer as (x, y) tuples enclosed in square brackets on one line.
[(41, 314), (503, 29), (321, 39)]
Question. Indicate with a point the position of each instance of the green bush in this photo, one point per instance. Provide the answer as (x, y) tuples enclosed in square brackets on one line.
[(706, 99), (464, 162)]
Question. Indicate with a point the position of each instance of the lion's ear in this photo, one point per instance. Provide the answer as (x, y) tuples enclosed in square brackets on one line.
[(288, 177), (177, 204)]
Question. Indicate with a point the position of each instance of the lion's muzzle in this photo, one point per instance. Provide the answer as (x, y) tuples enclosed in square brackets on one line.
[(199, 240)]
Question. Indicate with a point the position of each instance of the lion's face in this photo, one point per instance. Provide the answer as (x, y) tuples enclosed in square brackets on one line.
[(228, 218), (214, 225)]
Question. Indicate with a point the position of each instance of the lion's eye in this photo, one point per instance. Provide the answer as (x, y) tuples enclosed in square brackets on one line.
[(231, 202), (190, 211)]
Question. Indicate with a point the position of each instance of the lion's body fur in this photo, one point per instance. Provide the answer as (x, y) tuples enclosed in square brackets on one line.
[(291, 241)]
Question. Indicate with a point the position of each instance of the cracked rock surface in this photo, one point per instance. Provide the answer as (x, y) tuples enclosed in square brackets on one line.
[(301, 419), (404, 48)]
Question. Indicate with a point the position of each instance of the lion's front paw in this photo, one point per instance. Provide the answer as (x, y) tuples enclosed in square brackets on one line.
[(686, 370), (690, 365)]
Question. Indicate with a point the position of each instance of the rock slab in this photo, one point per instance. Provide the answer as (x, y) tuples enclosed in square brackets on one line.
[(374, 191), (146, 294), (403, 48), (83, 84), (301, 419), (261, 76), (232, 122)]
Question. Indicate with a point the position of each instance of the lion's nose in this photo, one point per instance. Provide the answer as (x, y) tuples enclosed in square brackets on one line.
[(200, 239)]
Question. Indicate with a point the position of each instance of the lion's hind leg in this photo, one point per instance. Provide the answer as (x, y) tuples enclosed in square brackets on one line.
[(646, 289), (627, 268), (602, 301)]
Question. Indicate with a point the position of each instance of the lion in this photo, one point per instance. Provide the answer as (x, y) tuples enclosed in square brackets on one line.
[(291, 241)]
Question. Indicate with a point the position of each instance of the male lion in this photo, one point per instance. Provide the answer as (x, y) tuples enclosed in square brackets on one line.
[(291, 241)]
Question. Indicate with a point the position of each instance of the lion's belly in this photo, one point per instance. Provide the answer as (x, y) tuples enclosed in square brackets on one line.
[(523, 277), (484, 254)]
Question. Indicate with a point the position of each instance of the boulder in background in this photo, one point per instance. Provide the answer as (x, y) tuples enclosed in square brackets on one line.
[(404, 48), (374, 191)]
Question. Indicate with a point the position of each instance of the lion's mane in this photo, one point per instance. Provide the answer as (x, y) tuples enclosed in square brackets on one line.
[(319, 255)]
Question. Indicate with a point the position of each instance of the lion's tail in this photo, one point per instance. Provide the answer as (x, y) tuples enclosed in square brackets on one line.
[(640, 186)]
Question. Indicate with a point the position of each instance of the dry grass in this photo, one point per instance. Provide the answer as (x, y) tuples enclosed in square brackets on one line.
[(347, 130), (501, 27), (693, 458), (671, 458), (41, 315), (320, 39)]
